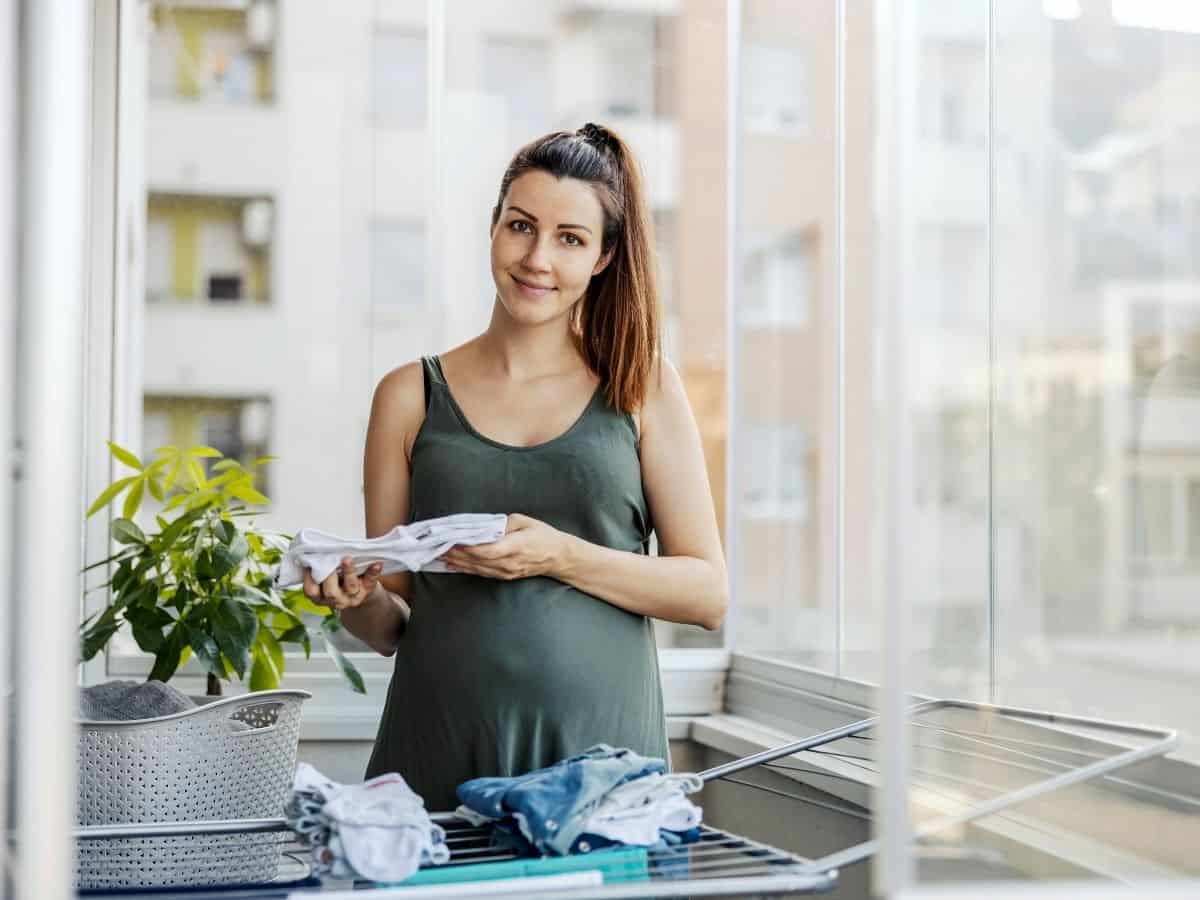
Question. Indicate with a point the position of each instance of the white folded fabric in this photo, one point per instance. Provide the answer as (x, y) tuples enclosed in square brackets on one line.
[(632, 813), (406, 548), (378, 830)]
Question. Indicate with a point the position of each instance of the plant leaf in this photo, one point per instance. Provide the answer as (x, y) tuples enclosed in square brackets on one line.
[(243, 491), (96, 635), (267, 671), (107, 495), (196, 471), (133, 500), (147, 619), (171, 533), (155, 486), (207, 652), (298, 603), (262, 677), (332, 625), (226, 559), (119, 554), (171, 654), (124, 456), (204, 450), (126, 532), (235, 626)]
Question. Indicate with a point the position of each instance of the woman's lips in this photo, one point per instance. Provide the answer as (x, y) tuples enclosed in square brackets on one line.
[(531, 290)]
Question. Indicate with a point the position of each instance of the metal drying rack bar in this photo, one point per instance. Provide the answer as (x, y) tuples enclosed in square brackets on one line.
[(1162, 740)]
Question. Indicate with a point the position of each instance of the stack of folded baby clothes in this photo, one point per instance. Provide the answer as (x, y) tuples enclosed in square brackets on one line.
[(600, 798), (378, 830), (406, 548)]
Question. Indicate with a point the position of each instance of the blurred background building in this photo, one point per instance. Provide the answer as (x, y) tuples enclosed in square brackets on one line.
[(318, 183)]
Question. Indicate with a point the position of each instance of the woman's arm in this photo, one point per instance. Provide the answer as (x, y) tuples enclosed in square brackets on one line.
[(397, 411), (686, 583)]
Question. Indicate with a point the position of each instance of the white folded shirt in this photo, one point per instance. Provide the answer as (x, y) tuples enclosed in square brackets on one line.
[(377, 830), (632, 813), (406, 548)]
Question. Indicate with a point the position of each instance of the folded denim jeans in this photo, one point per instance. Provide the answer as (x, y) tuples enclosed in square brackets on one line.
[(551, 806)]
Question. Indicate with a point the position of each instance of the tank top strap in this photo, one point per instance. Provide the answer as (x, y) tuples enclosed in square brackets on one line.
[(432, 367)]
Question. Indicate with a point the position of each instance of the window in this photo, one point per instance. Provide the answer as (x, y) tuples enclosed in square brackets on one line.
[(208, 247), (216, 52), (397, 268), (519, 70), (398, 78), (775, 484), (238, 427), (776, 90), (777, 278)]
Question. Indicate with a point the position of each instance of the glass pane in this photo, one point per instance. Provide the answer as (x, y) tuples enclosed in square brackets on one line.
[(289, 247), (916, 358), (649, 75), (1097, 432), (787, 327)]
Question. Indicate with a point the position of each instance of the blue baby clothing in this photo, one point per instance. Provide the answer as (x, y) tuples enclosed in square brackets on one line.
[(551, 807)]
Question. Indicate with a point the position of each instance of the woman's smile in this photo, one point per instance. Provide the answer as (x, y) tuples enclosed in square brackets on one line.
[(532, 290)]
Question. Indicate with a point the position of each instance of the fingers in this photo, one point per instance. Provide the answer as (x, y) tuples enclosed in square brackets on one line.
[(312, 590), (349, 577), (343, 589), (370, 578), (466, 565), (331, 592)]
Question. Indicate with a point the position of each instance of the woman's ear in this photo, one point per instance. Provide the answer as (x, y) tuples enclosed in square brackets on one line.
[(602, 263)]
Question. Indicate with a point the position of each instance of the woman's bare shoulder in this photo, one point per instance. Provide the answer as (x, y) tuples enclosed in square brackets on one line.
[(398, 407), (665, 394)]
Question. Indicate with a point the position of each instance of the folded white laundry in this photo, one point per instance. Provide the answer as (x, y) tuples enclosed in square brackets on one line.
[(378, 830), (632, 813), (406, 548)]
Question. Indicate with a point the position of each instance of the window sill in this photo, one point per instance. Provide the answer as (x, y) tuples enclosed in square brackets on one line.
[(693, 685)]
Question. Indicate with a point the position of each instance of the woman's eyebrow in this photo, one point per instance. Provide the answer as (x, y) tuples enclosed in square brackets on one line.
[(534, 219)]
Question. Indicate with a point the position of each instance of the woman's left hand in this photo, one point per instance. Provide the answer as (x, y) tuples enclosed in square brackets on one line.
[(529, 547)]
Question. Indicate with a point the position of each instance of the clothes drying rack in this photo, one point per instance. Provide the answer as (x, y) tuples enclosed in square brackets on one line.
[(720, 863)]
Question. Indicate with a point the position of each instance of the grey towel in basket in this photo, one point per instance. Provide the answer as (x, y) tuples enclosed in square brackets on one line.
[(120, 701)]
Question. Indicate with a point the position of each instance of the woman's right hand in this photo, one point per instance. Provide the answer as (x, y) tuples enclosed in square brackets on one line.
[(344, 588)]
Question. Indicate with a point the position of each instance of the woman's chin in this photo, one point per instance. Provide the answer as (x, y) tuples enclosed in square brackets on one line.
[(530, 311)]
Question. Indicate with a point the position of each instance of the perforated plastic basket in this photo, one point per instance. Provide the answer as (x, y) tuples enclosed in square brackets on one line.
[(230, 759)]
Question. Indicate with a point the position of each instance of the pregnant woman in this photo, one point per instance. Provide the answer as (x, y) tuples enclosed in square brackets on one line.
[(564, 415)]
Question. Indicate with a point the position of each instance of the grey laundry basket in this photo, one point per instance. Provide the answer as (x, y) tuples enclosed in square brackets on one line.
[(230, 759)]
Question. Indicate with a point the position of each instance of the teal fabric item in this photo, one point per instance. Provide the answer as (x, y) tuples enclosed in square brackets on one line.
[(615, 865), (499, 678)]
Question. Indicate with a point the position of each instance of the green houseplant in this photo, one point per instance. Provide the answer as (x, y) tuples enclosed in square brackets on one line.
[(202, 584)]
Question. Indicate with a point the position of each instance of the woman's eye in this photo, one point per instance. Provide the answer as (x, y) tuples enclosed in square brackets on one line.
[(572, 240), (519, 225)]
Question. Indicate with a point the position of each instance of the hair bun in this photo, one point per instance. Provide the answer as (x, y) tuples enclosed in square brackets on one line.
[(599, 137)]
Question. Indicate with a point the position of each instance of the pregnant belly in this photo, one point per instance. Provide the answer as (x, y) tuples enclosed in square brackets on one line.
[(534, 642)]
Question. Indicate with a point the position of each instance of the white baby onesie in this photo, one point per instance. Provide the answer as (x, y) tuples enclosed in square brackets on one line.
[(406, 548)]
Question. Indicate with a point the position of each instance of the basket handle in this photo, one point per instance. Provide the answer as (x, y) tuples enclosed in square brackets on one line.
[(254, 717)]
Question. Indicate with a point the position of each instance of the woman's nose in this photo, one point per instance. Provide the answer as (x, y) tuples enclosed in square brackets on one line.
[(538, 257)]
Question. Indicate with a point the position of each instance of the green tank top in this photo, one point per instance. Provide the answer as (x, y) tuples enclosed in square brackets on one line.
[(500, 677)]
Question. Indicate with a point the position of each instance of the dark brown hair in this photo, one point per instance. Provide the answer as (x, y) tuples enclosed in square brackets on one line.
[(617, 322)]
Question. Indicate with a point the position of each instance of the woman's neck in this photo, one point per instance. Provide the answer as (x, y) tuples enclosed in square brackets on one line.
[(523, 352)]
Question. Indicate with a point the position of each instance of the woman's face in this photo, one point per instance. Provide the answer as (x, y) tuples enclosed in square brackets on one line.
[(546, 245)]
